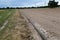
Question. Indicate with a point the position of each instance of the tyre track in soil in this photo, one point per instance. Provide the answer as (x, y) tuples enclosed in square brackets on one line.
[(35, 34), (45, 35)]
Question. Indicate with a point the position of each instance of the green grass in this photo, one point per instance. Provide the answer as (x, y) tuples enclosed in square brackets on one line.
[(8, 27), (4, 14)]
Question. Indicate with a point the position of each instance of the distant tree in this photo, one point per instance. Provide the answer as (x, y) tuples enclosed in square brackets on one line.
[(7, 7), (3, 8), (32, 7), (17, 7)]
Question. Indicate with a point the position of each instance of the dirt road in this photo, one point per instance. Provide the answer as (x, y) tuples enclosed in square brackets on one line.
[(48, 18)]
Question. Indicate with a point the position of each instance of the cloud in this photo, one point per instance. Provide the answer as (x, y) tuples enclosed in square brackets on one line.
[(21, 3)]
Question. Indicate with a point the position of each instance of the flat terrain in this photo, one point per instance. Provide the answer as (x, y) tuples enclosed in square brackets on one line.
[(4, 14), (16, 29), (48, 18)]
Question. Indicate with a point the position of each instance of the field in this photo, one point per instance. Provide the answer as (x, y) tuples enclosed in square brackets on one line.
[(4, 14), (16, 29), (47, 18)]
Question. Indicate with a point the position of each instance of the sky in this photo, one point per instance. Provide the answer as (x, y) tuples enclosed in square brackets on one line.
[(24, 3)]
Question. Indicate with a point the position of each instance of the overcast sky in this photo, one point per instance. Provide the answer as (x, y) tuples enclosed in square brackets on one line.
[(23, 3)]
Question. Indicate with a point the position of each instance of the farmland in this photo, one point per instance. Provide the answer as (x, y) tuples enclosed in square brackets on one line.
[(46, 18), (4, 14), (30, 24), (16, 29)]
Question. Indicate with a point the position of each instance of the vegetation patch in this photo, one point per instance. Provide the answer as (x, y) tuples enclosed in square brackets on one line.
[(16, 29), (4, 14)]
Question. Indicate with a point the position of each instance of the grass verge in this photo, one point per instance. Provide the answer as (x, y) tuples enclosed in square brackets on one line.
[(4, 14), (16, 29)]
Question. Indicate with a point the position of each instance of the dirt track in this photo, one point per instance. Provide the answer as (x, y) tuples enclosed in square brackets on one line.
[(49, 19)]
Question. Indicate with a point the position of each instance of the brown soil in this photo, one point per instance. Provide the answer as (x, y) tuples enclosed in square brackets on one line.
[(17, 29), (48, 18)]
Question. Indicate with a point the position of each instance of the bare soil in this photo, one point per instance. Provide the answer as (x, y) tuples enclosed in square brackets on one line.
[(16, 29), (48, 18)]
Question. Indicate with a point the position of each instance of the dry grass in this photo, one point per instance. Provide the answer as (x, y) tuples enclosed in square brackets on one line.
[(17, 29)]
